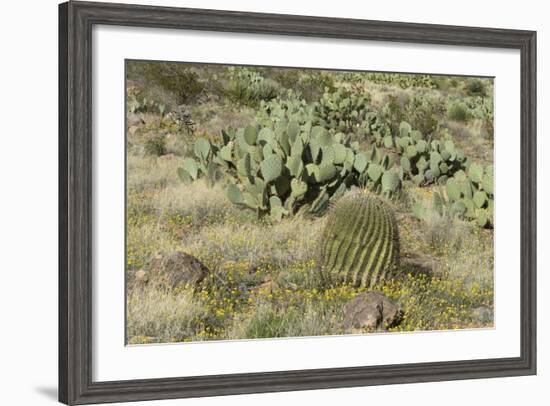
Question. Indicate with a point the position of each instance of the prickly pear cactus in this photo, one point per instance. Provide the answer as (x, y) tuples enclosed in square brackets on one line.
[(360, 242)]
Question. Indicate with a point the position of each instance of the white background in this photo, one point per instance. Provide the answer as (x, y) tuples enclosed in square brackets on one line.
[(28, 219)]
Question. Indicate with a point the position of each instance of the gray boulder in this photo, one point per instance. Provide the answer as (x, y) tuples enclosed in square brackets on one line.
[(483, 314), (371, 310), (177, 269)]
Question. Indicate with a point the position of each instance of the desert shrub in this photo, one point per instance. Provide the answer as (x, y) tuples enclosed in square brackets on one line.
[(176, 78), (287, 78), (442, 83), (424, 112), (312, 85), (139, 103), (475, 87), (393, 112), (248, 87), (402, 80), (155, 145), (457, 111), (306, 83)]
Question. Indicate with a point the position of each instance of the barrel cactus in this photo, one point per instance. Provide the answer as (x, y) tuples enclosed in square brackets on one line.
[(360, 242)]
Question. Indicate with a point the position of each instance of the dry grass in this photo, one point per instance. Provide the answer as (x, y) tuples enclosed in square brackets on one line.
[(159, 315), (291, 241)]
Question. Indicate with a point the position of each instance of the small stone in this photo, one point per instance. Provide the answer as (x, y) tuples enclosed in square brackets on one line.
[(178, 269), (132, 130), (483, 314), (419, 264), (133, 120), (269, 286), (167, 157), (141, 275), (137, 278), (371, 310)]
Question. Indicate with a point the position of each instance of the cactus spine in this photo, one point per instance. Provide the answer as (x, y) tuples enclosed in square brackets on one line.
[(360, 242)]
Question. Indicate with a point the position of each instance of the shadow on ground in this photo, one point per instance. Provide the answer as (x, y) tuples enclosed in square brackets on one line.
[(49, 392)]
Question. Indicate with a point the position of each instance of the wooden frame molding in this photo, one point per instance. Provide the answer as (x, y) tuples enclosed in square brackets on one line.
[(76, 20)]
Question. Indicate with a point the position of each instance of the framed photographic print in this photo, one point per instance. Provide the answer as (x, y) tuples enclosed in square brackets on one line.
[(258, 202)]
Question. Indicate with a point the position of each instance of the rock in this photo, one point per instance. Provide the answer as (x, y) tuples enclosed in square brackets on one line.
[(133, 119), (177, 269), (167, 157), (419, 264), (137, 278), (483, 314), (141, 275), (269, 286), (371, 310), (132, 130)]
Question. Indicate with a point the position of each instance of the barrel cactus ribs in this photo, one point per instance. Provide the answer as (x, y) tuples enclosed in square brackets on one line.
[(360, 242)]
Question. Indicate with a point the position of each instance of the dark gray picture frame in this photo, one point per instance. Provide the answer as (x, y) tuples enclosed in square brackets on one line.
[(76, 20)]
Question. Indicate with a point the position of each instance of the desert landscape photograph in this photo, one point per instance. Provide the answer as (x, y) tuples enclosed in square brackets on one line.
[(266, 202)]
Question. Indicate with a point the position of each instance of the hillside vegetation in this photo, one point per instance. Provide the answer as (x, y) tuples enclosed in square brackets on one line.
[(239, 166)]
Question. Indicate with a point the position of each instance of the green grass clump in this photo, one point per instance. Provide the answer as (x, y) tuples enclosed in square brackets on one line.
[(156, 145), (457, 111)]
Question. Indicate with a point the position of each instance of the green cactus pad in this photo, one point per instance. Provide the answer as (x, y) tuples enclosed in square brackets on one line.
[(482, 218), (266, 135), (480, 198), (298, 188), (326, 172), (191, 167), (487, 183), (201, 148), (340, 153), (184, 175), (360, 242), (225, 152), (293, 130), (295, 165), (459, 207), (421, 146), (453, 190), (416, 135), (421, 165), (297, 147), (411, 151), (360, 162), (234, 194), (314, 149), (327, 155), (418, 179), (404, 129), (322, 135), (271, 168), (475, 172), (374, 171), (390, 181), (250, 135)]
